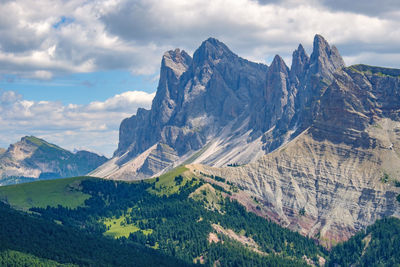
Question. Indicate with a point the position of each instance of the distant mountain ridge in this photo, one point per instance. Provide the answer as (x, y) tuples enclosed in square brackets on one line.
[(33, 158)]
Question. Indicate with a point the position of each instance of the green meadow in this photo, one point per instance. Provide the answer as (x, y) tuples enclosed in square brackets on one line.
[(64, 192), (166, 184)]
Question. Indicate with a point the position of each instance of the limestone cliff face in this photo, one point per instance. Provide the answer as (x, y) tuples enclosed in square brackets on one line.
[(223, 108), (314, 140), (339, 187), (334, 171), (200, 102), (33, 158)]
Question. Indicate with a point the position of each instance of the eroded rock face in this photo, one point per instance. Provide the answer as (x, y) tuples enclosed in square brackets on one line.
[(318, 137), (339, 187), (333, 171), (216, 101), (196, 102)]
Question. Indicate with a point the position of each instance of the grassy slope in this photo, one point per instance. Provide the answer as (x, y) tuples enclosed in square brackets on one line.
[(41, 142), (380, 71), (64, 192), (166, 184), (211, 198)]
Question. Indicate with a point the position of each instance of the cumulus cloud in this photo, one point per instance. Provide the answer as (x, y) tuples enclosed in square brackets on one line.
[(93, 126), (50, 37), (47, 38)]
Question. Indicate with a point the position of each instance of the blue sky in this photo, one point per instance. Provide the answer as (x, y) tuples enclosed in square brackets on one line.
[(71, 71), (80, 88)]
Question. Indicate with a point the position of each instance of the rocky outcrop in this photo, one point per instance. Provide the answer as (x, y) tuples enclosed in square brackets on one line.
[(33, 158), (199, 102), (339, 175), (314, 140), (216, 102), (324, 190)]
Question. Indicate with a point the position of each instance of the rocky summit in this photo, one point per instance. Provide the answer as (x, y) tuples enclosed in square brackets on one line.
[(317, 144), (33, 158)]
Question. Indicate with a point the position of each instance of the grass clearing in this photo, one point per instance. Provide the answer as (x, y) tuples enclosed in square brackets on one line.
[(167, 185), (65, 192), (119, 228)]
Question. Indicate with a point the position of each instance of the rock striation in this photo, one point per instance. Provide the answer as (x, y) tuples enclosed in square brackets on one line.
[(312, 141), (32, 158), (217, 108), (342, 171)]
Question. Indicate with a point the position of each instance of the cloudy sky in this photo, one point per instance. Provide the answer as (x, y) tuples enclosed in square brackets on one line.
[(71, 70)]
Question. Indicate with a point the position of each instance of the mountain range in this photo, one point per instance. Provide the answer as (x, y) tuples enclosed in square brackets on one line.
[(33, 159), (314, 147)]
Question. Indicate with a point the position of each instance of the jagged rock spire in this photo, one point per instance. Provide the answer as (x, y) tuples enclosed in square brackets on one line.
[(300, 61), (324, 60), (177, 60), (277, 91), (174, 64), (278, 65)]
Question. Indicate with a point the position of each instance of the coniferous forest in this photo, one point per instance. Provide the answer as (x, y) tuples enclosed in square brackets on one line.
[(172, 230)]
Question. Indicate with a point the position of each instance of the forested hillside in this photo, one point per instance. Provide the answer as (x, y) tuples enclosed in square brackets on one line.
[(174, 220), (378, 245), (179, 216), (34, 241)]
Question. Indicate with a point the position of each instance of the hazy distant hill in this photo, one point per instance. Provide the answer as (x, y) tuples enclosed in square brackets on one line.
[(33, 158)]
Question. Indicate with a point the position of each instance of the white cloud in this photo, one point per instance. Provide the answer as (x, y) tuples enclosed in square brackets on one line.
[(42, 39), (122, 102), (48, 37), (94, 126), (43, 74)]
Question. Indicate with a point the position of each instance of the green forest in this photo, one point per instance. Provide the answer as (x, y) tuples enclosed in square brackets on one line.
[(136, 224)]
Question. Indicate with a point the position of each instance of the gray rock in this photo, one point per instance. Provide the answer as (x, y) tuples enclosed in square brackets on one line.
[(230, 109), (317, 137), (196, 98)]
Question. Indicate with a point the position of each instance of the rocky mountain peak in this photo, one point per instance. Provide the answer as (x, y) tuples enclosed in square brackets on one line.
[(35, 142), (176, 60), (324, 60), (318, 137), (278, 65), (174, 63), (34, 158), (211, 51), (300, 61)]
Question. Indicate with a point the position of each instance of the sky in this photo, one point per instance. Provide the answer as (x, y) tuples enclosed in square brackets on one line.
[(72, 70)]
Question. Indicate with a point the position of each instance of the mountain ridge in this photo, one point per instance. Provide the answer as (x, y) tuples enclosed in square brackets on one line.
[(313, 139), (216, 91), (33, 158)]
